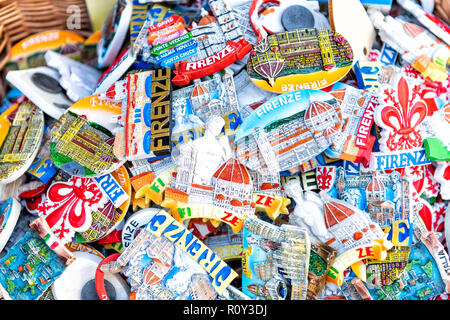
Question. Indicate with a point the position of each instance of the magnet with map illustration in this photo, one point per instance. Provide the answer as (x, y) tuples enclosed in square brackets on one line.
[(425, 275), (34, 262), (82, 139), (299, 59), (21, 131)]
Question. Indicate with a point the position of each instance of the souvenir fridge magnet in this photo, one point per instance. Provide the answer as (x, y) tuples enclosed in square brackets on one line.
[(220, 43), (41, 86), (21, 131), (225, 196), (358, 30), (350, 226), (29, 53), (43, 167), (275, 261), (320, 260), (399, 115), (200, 159), (427, 19), (105, 219), (192, 211), (299, 59), (272, 205), (353, 258), (82, 139), (113, 32), (289, 131), (77, 282), (164, 171), (69, 205), (9, 214), (193, 105), (382, 273), (33, 264), (162, 265), (147, 103), (164, 29), (354, 143), (218, 270), (385, 197), (416, 46), (76, 78), (425, 276)]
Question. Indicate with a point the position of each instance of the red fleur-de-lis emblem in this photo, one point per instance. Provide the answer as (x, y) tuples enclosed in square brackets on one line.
[(69, 206), (400, 115), (325, 177)]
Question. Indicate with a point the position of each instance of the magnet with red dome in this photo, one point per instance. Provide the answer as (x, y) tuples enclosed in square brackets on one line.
[(289, 131)]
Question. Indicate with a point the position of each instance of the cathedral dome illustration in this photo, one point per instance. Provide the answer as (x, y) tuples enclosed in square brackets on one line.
[(316, 109), (412, 29), (233, 171), (207, 19), (199, 96), (233, 187), (375, 190), (161, 252), (335, 212), (320, 116), (349, 225)]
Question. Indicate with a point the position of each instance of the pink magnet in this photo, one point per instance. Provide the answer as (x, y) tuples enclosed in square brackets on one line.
[(169, 37)]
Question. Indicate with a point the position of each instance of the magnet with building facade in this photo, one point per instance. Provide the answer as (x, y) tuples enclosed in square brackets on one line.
[(230, 150), (299, 59)]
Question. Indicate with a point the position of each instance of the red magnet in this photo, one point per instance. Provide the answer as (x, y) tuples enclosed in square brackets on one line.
[(187, 71), (100, 276)]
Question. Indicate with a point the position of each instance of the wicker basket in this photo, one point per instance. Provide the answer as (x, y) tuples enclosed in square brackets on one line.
[(22, 18)]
